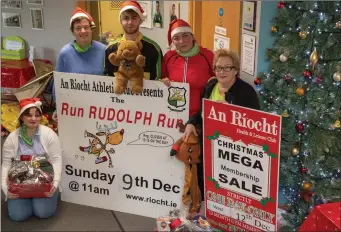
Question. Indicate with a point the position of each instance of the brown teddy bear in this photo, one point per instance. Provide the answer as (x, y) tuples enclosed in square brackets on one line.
[(188, 152), (130, 62)]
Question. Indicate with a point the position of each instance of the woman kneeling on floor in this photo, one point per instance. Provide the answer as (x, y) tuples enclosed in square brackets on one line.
[(31, 138)]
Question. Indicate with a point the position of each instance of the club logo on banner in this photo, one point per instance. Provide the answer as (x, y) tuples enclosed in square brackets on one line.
[(241, 149), (177, 98), (116, 148)]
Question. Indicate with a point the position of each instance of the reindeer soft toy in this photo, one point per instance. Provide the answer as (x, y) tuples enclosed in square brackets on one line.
[(188, 151)]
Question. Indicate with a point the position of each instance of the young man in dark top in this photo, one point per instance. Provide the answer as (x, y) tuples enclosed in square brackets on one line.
[(131, 16)]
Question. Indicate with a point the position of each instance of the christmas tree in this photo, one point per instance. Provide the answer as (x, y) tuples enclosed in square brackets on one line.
[(303, 84)]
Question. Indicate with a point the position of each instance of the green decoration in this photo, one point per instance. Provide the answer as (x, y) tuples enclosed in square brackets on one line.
[(216, 184), (214, 136), (266, 149)]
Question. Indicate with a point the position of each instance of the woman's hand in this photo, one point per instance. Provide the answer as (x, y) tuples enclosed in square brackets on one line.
[(51, 193), (166, 81), (12, 195), (54, 116), (188, 130), (221, 101)]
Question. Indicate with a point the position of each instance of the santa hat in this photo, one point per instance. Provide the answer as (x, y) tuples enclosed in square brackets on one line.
[(177, 26), (28, 103), (135, 6), (81, 13)]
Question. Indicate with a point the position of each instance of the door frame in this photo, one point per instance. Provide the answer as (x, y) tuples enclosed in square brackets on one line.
[(195, 12)]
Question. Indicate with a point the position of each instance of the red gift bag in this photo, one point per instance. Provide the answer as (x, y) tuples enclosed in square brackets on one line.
[(325, 217)]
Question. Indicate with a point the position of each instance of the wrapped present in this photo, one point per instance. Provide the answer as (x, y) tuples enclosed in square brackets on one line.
[(9, 116), (16, 73), (324, 217), (176, 222), (30, 176), (199, 223)]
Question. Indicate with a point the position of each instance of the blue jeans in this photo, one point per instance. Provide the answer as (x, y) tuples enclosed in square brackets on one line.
[(22, 209)]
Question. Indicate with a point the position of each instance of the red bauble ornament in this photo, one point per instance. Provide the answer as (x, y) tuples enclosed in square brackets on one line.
[(287, 78), (318, 79), (299, 127), (257, 81), (303, 170), (307, 73), (281, 5)]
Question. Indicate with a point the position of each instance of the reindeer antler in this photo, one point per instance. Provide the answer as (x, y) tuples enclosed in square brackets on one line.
[(106, 128), (99, 128)]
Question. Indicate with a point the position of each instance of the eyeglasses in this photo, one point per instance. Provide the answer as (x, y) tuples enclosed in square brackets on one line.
[(86, 28), (225, 69)]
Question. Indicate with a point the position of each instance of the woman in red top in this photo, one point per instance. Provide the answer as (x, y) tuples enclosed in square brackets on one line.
[(188, 63)]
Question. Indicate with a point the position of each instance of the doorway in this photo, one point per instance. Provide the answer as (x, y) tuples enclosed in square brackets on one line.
[(205, 15)]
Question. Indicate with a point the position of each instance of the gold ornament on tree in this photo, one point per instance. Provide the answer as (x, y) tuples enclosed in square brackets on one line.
[(295, 150), (300, 91), (274, 29), (338, 25), (283, 58), (314, 58), (303, 34), (337, 74), (307, 185), (337, 124)]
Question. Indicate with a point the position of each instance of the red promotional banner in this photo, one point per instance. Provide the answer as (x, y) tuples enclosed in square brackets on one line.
[(241, 167)]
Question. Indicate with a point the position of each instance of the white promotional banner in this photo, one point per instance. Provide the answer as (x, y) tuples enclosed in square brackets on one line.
[(116, 148)]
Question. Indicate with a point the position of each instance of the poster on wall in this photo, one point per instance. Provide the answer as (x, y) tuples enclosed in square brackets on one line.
[(249, 15), (158, 18), (248, 54), (11, 4), (35, 2), (11, 19), (37, 18), (242, 152), (220, 42), (116, 148), (147, 8), (174, 11)]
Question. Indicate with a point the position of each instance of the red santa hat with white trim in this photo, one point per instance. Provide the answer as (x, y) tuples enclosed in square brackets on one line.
[(178, 26), (28, 103), (81, 13), (135, 6)]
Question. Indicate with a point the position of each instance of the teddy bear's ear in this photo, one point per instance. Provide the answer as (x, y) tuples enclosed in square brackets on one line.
[(139, 45)]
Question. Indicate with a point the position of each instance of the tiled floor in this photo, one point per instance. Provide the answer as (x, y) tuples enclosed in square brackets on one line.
[(72, 217)]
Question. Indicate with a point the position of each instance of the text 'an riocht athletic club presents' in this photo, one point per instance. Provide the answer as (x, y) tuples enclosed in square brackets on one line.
[(241, 152), (116, 148)]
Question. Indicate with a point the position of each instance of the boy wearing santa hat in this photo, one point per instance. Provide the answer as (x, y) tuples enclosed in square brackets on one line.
[(131, 17)]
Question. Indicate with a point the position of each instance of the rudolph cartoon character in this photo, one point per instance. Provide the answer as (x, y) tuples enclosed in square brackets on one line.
[(188, 151), (97, 147)]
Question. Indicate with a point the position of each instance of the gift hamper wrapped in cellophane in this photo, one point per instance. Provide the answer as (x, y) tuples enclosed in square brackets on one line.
[(30, 176)]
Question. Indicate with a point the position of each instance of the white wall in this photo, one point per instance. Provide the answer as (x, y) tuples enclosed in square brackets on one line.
[(159, 35), (48, 42), (245, 76)]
